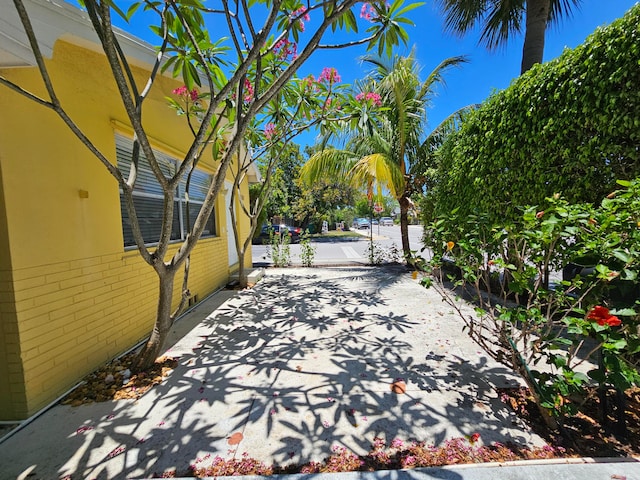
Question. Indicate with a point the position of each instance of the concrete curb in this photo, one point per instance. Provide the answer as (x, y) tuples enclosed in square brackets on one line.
[(563, 468)]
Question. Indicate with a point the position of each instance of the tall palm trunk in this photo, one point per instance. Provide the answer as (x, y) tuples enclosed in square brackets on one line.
[(537, 18), (404, 225)]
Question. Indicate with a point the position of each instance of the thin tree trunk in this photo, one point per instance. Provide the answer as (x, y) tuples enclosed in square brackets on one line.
[(536, 26), (243, 278), (519, 365), (163, 322), (404, 226)]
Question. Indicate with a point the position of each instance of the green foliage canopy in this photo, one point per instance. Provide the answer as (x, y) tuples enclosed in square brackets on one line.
[(571, 126)]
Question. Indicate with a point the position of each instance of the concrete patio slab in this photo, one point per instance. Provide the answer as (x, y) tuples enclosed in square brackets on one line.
[(302, 362)]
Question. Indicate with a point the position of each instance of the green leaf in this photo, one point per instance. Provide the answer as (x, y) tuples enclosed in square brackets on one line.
[(350, 21), (410, 7), (618, 344), (581, 377), (623, 256), (624, 312), (427, 282), (132, 9), (548, 405), (118, 10)]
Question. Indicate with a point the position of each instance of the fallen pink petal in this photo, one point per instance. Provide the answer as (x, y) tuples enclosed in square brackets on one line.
[(116, 451)]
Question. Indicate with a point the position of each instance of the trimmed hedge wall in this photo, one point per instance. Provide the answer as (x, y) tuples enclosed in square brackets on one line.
[(570, 126)]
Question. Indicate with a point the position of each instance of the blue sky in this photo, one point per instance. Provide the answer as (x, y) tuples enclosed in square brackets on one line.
[(486, 71)]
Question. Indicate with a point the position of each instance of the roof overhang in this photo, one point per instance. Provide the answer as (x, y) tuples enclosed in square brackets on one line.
[(253, 174), (55, 20)]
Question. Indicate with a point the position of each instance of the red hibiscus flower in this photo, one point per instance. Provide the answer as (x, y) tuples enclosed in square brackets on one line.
[(602, 316)]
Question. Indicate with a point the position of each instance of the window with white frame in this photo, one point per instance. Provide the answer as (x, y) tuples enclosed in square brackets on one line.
[(147, 197)]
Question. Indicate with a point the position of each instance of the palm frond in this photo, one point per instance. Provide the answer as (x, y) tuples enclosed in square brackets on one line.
[(562, 9), (504, 19), (461, 16), (381, 144), (437, 75), (328, 163), (376, 172), (446, 127)]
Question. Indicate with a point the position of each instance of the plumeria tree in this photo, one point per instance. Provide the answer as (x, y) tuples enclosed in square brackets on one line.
[(302, 104), (231, 75)]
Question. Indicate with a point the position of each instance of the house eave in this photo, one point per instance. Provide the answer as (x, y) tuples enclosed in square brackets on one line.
[(54, 20), (253, 174)]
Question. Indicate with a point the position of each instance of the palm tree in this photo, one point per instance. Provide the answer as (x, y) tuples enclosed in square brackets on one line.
[(501, 19), (382, 139)]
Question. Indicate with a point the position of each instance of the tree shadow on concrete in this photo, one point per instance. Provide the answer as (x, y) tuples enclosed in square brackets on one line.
[(284, 371)]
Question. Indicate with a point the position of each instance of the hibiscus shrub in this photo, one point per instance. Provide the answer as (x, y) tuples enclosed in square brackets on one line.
[(561, 335)]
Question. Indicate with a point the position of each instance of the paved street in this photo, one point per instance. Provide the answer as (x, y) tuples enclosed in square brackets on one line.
[(348, 251)]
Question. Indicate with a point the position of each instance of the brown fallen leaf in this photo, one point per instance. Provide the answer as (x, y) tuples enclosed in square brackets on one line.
[(235, 438)]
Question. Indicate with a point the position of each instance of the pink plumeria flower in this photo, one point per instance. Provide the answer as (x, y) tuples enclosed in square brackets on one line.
[(269, 130), (180, 90), (397, 443), (329, 75)]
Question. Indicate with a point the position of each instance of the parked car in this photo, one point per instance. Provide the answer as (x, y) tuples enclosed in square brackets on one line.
[(293, 232), (360, 223), (386, 221)]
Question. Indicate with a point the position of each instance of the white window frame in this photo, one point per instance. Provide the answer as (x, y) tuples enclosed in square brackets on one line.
[(147, 187)]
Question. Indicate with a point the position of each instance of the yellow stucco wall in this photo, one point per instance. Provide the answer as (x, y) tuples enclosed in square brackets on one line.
[(71, 297)]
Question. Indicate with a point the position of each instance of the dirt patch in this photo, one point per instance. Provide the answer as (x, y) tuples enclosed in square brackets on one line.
[(115, 381), (588, 433)]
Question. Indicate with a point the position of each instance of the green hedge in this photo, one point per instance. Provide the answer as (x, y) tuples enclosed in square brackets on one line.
[(570, 126)]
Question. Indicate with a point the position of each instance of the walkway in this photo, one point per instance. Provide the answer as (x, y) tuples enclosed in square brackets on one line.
[(303, 361)]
